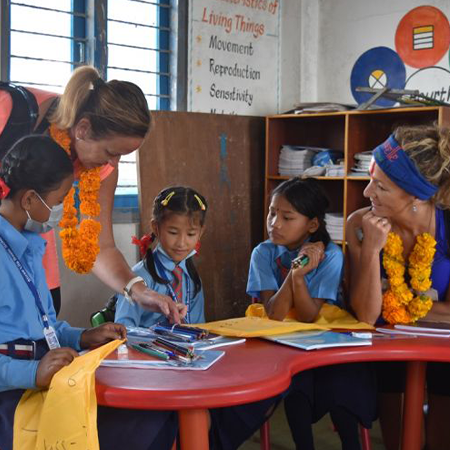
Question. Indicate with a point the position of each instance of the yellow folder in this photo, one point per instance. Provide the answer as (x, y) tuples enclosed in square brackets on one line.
[(65, 415)]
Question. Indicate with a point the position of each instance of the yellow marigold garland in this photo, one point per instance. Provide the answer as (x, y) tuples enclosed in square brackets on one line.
[(79, 245), (400, 303)]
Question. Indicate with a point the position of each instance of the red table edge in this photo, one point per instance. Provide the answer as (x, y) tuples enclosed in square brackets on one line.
[(130, 398)]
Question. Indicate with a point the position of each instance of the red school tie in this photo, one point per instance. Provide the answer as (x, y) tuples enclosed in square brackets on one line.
[(284, 270), (177, 283)]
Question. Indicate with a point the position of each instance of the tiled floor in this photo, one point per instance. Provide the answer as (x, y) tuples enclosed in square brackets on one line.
[(325, 437)]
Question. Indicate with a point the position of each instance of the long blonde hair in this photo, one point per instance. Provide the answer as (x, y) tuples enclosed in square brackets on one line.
[(115, 107), (428, 146)]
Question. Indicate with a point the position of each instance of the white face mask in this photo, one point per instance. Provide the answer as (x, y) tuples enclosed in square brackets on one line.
[(38, 227)]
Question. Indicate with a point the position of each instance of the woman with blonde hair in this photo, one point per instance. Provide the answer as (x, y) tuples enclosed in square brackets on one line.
[(399, 258), (96, 122)]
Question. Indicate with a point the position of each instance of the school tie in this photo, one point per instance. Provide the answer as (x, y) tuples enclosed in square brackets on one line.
[(177, 283)]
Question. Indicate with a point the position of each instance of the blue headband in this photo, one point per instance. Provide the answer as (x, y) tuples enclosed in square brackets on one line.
[(397, 165)]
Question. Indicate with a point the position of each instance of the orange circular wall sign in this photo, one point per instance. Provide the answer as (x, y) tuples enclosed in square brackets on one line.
[(422, 37)]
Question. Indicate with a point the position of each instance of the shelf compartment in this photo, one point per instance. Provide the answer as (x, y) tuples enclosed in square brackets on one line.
[(327, 131)]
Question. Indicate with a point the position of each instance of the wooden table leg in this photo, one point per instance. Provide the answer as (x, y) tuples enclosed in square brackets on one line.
[(193, 429), (413, 405)]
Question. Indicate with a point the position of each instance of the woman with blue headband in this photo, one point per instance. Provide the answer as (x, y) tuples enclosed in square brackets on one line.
[(399, 258)]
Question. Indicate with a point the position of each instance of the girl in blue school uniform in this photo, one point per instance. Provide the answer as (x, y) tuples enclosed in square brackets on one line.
[(35, 176), (296, 226), (178, 221)]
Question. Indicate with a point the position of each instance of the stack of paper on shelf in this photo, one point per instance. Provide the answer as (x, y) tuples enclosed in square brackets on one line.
[(335, 225), (294, 159), (362, 164), (334, 170)]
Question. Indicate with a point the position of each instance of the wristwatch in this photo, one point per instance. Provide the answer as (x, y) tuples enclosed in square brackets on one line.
[(129, 286)]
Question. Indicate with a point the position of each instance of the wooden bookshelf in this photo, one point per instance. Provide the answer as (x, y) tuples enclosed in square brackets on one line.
[(350, 132)]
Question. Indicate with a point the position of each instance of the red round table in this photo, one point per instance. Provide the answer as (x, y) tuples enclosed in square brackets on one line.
[(256, 370)]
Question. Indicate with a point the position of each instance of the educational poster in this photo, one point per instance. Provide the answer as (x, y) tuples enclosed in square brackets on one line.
[(420, 60), (234, 55)]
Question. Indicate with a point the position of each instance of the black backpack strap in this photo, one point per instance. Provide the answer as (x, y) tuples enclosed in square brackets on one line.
[(44, 125), (23, 116)]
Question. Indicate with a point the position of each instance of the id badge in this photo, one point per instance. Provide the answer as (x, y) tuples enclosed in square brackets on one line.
[(51, 338)]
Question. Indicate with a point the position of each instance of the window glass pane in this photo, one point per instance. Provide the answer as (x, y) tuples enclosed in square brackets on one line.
[(35, 46), (64, 5), (129, 11), (31, 19), (152, 102), (40, 72), (127, 174), (146, 81), (122, 33), (132, 58), (139, 33)]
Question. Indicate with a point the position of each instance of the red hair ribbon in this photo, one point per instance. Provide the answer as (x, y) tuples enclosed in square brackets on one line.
[(143, 243), (4, 189), (197, 247)]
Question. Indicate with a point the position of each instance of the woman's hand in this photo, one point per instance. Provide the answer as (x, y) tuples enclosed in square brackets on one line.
[(375, 230), (102, 334), (52, 362), (153, 301), (315, 251)]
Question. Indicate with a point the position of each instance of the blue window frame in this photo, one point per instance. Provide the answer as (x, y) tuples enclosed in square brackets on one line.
[(44, 40)]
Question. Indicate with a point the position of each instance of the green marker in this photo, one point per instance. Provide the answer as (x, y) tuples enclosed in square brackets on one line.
[(150, 351)]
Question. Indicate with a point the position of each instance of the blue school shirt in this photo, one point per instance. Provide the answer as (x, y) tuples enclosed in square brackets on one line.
[(19, 315), (323, 282), (134, 315)]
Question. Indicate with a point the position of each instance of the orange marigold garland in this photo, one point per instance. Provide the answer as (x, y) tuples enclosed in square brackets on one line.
[(400, 303), (79, 245)]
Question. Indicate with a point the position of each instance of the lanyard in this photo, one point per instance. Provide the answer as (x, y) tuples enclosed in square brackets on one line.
[(28, 280), (163, 273)]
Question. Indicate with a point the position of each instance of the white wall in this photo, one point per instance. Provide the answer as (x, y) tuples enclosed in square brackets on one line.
[(346, 29), (291, 38), (84, 294)]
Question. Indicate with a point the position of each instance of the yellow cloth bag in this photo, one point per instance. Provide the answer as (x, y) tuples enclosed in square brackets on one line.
[(65, 415), (334, 317), (330, 317), (252, 326)]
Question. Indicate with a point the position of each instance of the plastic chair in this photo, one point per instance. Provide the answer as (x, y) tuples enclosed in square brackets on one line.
[(106, 314)]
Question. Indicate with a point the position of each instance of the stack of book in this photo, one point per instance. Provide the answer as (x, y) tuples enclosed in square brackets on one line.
[(362, 164), (295, 159), (334, 170), (335, 225), (420, 328)]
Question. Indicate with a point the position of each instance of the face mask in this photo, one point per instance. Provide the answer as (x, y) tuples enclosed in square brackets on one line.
[(38, 227)]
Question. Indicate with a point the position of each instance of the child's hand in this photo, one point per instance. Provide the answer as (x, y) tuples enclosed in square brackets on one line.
[(101, 334), (51, 363), (315, 251)]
